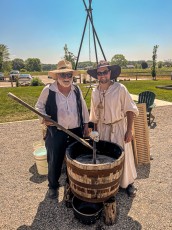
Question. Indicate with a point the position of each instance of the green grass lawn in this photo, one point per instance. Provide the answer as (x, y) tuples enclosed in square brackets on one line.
[(10, 110), (136, 87)]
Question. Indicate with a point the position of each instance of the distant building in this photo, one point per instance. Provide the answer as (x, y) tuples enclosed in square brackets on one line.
[(80, 68), (130, 66), (88, 67)]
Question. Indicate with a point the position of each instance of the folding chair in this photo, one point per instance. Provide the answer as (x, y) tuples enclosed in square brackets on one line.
[(148, 98)]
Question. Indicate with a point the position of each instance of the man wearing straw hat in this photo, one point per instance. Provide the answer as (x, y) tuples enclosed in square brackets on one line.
[(112, 112), (64, 103)]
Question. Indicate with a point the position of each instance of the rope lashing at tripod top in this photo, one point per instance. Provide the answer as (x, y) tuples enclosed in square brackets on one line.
[(82, 141)]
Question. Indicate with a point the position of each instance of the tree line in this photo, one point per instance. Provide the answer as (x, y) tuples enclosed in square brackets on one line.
[(34, 64), (30, 65)]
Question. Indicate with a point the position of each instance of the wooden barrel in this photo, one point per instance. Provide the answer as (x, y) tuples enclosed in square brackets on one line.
[(94, 182)]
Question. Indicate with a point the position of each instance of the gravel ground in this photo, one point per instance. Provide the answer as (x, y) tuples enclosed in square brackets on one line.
[(24, 203)]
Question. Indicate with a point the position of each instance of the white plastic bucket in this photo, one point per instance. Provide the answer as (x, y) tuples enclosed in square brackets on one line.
[(40, 155)]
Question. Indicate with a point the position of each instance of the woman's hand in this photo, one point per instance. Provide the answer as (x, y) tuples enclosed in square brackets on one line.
[(94, 135), (86, 130), (128, 136)]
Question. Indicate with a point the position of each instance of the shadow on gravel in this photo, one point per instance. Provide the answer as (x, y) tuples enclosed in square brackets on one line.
[(143, 171), (124, 221), (36, 178), (52, 215)]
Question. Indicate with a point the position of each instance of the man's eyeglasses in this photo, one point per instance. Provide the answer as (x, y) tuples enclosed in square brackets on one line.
[(102, 73), (65, 75)]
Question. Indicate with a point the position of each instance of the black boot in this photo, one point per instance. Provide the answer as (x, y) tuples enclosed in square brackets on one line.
[(52, 193), (131, 190)]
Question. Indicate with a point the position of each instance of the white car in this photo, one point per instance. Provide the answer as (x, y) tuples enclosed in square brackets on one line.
[(24, 79)]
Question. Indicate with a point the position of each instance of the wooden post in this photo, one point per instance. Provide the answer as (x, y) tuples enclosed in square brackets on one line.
[(110, 211), (80, 78), (11, 79)]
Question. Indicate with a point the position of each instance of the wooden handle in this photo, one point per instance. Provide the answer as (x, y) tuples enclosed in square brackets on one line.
[(82, 141)]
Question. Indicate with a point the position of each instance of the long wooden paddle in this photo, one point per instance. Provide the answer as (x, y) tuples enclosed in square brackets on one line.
[(82, 141)]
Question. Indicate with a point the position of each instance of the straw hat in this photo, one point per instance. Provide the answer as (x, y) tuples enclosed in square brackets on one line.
[(115, 70), (63, 66)]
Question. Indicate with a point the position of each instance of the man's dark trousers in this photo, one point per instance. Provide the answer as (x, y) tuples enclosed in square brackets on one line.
[(56, 143)]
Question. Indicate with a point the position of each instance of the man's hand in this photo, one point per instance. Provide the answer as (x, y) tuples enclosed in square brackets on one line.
[(46, 122)]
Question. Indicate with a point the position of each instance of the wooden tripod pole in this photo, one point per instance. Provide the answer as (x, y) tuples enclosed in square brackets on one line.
[(82, 141)]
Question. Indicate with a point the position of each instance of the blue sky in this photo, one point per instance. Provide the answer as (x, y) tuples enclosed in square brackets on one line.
[(41, 28)]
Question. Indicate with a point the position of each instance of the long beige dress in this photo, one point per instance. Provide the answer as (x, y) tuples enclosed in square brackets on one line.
[(108, 111)]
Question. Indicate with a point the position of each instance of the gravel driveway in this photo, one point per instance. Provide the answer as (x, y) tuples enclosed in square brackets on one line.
[(24, 203)]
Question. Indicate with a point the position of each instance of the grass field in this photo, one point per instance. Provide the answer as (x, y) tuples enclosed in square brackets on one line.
[(126, 72), (12, 111)]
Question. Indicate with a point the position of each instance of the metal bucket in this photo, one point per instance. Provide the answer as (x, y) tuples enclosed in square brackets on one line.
[(86, 212)]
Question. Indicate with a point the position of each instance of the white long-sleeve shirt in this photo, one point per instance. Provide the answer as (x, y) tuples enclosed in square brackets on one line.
[(67, 113), (116, 102)]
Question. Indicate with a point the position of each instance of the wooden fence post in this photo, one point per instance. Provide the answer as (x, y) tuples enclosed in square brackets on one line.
[(110, 211)]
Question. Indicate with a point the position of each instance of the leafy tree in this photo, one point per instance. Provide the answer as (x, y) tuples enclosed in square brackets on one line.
[(33, 64), (18, 64), (138, 66), (160, 64), (85, 64), (132, 63), (22, 70), (36, 81), (144, 65), (47, 67), (119, 59), (69, 56), (4, 55), (7, 66), (150, 62), (154, 57), (168, 63)]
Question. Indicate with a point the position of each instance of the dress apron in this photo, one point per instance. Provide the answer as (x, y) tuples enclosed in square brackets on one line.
[(115, 132)]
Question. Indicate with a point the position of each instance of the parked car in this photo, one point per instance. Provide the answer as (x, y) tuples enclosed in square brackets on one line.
[(1, 76), (14, 74), (24, 79)]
